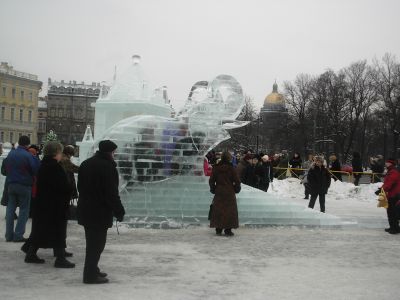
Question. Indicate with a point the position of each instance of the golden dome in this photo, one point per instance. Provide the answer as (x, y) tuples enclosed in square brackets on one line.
[(274, 97)]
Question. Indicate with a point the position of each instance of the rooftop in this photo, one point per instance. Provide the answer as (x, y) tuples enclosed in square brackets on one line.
[(5, 68)]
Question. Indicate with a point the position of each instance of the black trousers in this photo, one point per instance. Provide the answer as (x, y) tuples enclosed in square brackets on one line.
[(393, 218), (95, 243), (321, 201), (306, 190)]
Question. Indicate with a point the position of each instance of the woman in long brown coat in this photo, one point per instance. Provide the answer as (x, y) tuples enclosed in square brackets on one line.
[(224, 183)]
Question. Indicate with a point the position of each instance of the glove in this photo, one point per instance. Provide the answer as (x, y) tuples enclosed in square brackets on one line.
[(378, 192), (120, 215)]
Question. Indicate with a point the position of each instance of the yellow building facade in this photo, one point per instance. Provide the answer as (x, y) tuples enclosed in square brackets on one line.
[(19, 93)]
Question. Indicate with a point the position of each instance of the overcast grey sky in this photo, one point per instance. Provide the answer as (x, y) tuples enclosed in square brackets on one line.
[(183, 41)]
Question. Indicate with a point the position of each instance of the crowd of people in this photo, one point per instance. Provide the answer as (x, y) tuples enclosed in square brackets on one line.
[(315, 173), (45, 187)]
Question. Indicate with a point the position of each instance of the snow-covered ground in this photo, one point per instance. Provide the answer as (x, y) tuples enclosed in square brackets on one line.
[(351, 203), (257, 263)]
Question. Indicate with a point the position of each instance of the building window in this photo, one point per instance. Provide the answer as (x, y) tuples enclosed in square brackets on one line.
[(30, 96), (53, 112), (29, 136), (11, 137), (21, 115), (19, 135), (12, 114), (60, 113), (22, 95), (4, 91), (2, 136), (13, 93), (30, 116), (3, 113)]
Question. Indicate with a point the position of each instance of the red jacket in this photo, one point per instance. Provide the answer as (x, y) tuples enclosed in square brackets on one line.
[(391, 184), (207, 168)]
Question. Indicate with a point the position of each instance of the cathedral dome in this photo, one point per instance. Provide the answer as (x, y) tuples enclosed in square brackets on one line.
[(274, 98)]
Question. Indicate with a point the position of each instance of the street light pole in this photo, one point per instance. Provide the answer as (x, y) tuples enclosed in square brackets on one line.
[(258, 128)]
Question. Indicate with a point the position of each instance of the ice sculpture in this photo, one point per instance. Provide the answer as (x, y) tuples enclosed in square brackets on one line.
[(130, 95), (86, 145), (160, 159)]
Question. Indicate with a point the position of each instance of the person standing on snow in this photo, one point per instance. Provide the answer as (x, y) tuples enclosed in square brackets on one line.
[(98, 202), (20, 167), (307, 165), (224, 184), (265, 173), (319, 180), (49, 213), (357, 167), (335, 167), (295, 163), (391, 186)]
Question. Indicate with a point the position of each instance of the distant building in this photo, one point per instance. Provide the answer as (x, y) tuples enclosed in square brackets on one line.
[(41, 119), (70, 108), (273, 122), (18, 104)]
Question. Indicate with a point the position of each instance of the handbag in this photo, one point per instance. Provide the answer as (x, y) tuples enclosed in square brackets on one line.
[(72, 210), (382, 199)]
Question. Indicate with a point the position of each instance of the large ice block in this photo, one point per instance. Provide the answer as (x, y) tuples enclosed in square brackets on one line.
[(160, 160)]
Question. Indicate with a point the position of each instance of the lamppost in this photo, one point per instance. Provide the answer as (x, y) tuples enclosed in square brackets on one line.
[(258, 130)]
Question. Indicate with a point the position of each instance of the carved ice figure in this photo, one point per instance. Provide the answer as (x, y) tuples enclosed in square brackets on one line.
[(160, 162), (153, 148)]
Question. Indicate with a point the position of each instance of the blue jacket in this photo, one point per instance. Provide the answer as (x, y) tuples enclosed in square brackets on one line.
[(21, 166)]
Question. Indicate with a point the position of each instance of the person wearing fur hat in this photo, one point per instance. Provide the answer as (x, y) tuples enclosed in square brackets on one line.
[(98, 203), (391, 186), (319, 181)]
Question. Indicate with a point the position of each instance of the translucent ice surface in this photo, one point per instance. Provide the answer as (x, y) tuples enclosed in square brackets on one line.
[(160, 159)]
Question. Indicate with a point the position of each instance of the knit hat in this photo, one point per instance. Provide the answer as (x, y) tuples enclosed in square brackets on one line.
[(265, 158), (391, 161), (107, 146)]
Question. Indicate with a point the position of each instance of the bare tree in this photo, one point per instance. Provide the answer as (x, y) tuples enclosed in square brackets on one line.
[(360, 95), (386, 79), (298, 97)]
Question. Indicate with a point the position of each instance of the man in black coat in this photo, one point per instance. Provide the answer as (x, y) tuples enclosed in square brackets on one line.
[(265, 172), (98, 202), (356, 163), (319, 181)]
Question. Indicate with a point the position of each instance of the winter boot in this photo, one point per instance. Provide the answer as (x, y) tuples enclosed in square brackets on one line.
[(62, 263), (218, 231), (66, 254), (101, 274), (228, 232), (96, 280), (31, 256)]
